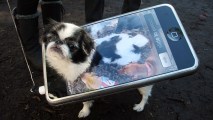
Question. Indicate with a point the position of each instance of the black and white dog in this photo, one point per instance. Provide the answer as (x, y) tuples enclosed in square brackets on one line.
[(70, 52)]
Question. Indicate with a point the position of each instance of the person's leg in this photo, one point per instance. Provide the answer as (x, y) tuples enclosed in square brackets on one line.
[(52, 9), (26, 7), (26, 18), (130, 5), (94, 10)]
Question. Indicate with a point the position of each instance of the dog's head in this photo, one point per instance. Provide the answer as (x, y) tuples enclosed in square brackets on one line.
[(66, 41)]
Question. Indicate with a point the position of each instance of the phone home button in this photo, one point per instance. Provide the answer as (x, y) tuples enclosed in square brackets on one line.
[(174, 34)]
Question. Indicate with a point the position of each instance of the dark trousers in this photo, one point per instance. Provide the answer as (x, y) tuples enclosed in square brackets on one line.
[(94, 8), (51, 9), (130, 5), (28, 7)]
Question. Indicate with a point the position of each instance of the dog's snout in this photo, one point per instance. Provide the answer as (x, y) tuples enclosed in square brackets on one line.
[(58, 42)]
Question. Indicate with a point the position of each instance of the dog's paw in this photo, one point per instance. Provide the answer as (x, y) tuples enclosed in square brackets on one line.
[(83, 113), (138, 107)]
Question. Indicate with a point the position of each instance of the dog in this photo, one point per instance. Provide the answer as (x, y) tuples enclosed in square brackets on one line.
[(70, 51)]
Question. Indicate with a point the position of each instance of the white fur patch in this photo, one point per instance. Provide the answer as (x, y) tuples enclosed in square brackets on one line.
[(70, 71), (106, 60), (125, 48), (69, 30), (86, 109), (65, 50), (62, 64), (145, 92)]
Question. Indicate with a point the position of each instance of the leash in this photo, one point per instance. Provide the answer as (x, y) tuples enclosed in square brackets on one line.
[(33, 88)]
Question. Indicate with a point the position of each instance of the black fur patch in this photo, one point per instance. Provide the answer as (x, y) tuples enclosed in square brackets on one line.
[(56, 84), (137, 49), (86, 44), (52, 29), (108, 48)]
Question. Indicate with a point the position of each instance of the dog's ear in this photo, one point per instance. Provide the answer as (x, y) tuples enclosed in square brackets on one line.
[(87, 42), (43, 39), (47, 28), (52, 22)]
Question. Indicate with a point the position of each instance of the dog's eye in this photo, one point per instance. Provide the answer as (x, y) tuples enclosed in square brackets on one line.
[(69, 39), (73, 46)]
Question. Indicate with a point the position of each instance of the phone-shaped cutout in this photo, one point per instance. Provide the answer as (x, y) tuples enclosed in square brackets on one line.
[(136, 49)]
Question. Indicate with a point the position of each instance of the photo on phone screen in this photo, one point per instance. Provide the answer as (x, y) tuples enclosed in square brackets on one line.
[(133, 47)]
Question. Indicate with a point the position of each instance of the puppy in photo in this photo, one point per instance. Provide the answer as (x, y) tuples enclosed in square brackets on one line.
[(70, 52)]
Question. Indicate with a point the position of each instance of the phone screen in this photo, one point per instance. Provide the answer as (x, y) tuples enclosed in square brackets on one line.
[(132, 47)]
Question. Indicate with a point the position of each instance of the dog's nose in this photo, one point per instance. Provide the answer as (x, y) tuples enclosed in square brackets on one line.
[(58, 42)]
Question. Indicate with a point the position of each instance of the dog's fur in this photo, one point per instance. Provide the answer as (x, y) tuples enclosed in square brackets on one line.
[(70, 52)]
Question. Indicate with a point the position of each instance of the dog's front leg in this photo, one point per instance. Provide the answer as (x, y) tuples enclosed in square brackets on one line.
[(145, 92), (85, 111)]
